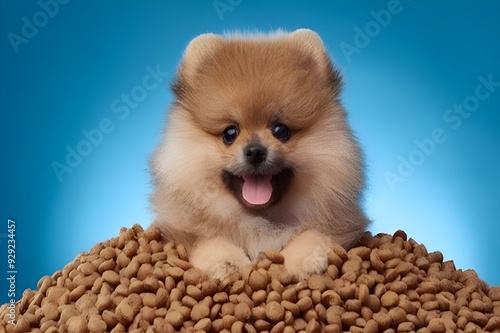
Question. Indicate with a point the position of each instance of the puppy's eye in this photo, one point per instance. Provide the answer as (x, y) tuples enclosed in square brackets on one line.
[(230, 134), (281, 132)]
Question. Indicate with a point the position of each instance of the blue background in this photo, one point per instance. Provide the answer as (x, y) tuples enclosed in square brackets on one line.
[(400, 82)]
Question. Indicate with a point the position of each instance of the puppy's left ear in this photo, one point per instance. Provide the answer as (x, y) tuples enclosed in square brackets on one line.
[(311, 43)]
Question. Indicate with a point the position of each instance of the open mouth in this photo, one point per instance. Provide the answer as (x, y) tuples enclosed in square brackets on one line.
[(259, 190)]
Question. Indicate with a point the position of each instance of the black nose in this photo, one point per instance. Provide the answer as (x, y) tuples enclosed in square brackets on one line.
[(255, 154)]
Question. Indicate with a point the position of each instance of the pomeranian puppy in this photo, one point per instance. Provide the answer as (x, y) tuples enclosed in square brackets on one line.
[(257, 155)]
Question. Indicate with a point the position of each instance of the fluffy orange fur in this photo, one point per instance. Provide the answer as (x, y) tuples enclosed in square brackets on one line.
[(254, 82)]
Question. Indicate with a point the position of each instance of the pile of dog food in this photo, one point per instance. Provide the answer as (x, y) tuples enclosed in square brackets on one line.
[(137, 283)]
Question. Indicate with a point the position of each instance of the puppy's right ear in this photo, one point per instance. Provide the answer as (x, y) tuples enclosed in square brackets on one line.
[(198, 50)]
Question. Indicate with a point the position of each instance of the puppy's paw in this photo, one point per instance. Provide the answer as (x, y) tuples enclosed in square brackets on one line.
[(307, 254), (220, 259)]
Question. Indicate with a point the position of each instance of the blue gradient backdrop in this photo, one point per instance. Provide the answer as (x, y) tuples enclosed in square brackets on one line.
[(402, 77)]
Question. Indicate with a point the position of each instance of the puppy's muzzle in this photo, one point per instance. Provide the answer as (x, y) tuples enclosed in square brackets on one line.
[(255, 154)]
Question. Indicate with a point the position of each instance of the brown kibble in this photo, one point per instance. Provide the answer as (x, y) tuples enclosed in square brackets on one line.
[(175, 318), (96, 324), (376, 262), (427, 287), (152, 233), (363, 293), (317, 282), (228, 321), (141, 283), (192, 276), (194, 292), (476, 305), (228, 309), (124, 313), (292, 307), (257, 281), (237, 287), (399, 287), (332, 271), (111, 277), (279, 327), (275, 311), (274, 256), (108, 253), (242, 312), (109, 318), (430, 305), (277, 286), (347, 292), (50, 311), (437, 325), (148, 313), (299, 324), (352, 265), (199, 312), (406, 327), (221, 297), (389, 299), (262, 325), (353, 305), (290, 295), (131, 248), (362, 252), (397, 316), (330, 297), (334, 259), (435, 257), (422, 263), (106, 265), (149, 299), (177, 262), (304, 303), (279, 273), (77, 325), (494, 293), (175, 272), (128, 308), (349, 318), (371, 326), (383, 320), (479, 318), (87, 268), (203, 325), (76, 293), (493, 324), (313, 326), (333, 314), (373, 302)]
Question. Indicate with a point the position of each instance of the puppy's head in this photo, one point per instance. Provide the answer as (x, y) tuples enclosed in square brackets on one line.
[(260, 116)]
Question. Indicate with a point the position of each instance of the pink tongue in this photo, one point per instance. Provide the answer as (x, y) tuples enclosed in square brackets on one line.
[(257, 190)]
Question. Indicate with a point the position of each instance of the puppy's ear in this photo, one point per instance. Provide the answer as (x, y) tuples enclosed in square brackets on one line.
[(199, 49), (310, 42)]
